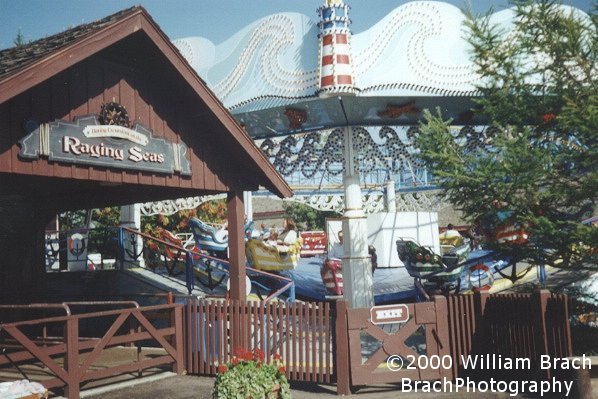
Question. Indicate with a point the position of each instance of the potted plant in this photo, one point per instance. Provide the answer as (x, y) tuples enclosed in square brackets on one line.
[(247, 375)]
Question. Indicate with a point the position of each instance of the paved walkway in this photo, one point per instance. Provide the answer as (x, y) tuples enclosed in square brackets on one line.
[(170, 386)]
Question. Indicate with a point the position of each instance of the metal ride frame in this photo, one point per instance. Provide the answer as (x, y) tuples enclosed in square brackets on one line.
[(312, 163)]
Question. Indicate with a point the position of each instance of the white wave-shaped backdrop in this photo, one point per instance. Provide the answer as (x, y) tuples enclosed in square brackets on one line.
[(417, 49)]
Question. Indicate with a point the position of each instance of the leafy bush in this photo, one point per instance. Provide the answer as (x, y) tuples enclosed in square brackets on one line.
[(249, 376)]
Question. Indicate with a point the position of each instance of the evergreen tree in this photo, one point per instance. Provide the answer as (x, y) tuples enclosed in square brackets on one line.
[(19, 40), (537, 163)]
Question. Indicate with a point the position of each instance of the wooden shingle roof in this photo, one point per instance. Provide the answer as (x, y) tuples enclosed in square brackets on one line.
[(15, 58)]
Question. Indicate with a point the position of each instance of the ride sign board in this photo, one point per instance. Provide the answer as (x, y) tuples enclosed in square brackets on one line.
[(85, 141), (389, 314)]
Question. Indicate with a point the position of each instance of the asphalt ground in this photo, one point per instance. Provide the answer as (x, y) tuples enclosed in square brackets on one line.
[(170, 386)]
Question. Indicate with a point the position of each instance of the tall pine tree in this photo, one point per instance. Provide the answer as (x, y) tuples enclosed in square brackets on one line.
[(538, 164)]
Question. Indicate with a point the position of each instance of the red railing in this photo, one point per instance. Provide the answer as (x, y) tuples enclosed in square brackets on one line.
[(62, 355)]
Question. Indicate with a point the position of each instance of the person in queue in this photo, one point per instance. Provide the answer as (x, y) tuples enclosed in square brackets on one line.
[(338, 249)]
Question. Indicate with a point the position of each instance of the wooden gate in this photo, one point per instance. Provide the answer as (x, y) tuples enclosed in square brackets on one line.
[(376, 351)]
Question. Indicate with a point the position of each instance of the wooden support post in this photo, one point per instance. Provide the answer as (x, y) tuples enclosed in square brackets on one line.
[(236, 245), (341, 350), (236, 255), (179, 364), (71, 359)]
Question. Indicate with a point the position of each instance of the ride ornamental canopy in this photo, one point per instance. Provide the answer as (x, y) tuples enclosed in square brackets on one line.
[(294, 83)]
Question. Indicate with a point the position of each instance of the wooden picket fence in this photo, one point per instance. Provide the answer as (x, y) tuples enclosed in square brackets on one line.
[(512, 326), (302, 333), (317, 341)]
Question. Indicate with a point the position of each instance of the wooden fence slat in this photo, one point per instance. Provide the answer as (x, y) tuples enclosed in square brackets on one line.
[(268, 320), (315, 339), (295, 343), (188, 338), (320, 331), (254, 321), (288, 343), (201, 335), (207, 323), (262, 325), (213, 309), (301, 350), (277, 330), (226, 335), (329, 339)]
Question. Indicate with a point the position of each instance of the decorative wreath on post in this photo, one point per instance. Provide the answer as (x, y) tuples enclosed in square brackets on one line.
[(113, 113)]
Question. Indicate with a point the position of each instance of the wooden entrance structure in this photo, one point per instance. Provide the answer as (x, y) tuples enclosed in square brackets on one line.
[(120, 65)]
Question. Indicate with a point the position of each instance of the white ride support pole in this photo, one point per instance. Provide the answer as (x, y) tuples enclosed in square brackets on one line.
[(248, 204), (130, 216), (357, 270), (390, 200)]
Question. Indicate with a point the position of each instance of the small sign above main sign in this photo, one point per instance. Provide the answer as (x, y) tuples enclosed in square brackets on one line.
[(389, 314)]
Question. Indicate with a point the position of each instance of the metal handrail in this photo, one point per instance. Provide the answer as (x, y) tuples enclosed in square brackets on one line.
[(104, 313), (102, 303), (40, 306), (289, 285)]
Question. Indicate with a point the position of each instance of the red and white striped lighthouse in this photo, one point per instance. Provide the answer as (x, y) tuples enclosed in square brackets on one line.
[(336, 71)]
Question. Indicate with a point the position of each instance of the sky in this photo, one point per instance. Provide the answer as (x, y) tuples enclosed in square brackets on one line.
[(216, 20)]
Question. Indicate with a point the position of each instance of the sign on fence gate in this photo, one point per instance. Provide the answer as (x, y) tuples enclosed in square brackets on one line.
[(389, 343), (389, 314)]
